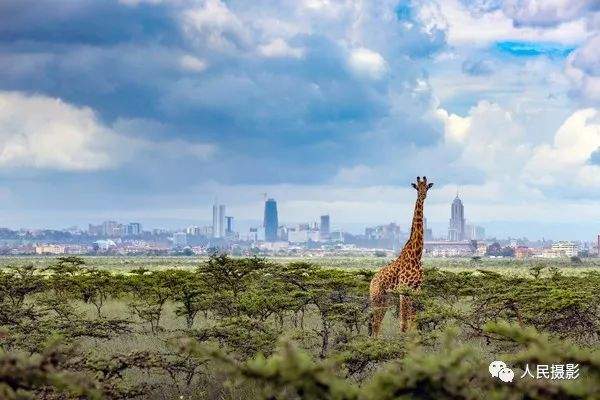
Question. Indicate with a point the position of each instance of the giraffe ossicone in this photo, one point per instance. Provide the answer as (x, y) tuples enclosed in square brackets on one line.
[(406, 271)]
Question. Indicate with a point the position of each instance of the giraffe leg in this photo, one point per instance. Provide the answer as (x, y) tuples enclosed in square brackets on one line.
[(378, 305), (377, 314), (407, 314)]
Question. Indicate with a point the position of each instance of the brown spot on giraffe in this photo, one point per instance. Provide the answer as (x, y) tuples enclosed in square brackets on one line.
[(404, 271)]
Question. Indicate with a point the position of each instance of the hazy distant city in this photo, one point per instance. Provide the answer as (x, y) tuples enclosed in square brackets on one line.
[(318, 237)]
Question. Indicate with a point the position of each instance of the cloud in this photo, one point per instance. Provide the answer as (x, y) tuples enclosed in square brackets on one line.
[(489, 139), (355, 174), (478, 67), (583, 69), (191, 63), (214, 25), (367, 63), (306, 96), (547, 13), (595, 157), (42, 132), (46, 133), (565, 162), (491, 24), (279, 48)]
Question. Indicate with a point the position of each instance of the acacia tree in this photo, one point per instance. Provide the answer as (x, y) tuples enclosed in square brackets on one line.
[(150, 291), (228, 279), (96, 286), (190, 293)]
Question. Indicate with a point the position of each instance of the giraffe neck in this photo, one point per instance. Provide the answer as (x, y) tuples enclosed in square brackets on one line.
[(416, 231)]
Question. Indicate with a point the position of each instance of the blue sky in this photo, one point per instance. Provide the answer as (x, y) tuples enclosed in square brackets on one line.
[(148, 109)]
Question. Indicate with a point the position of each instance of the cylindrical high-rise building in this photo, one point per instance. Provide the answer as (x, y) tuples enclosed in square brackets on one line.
[(218, 222), (271, 221), (456, 230)]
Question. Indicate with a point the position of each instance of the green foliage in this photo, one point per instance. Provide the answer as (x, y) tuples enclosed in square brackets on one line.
[(289, 373), (27, 377), (232, 313)]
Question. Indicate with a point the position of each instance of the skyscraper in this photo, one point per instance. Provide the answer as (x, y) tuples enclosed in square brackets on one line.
[(228, 225), (110, 228), (324, 229), (427, 232), (456, 230), (218, 223), (221, 221), (215, 221), (271, 221)]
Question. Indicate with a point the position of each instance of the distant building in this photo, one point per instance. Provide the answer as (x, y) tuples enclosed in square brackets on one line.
[(50, 249), (179, 239), (449, 249), (390, 231), (303, 233), (274, 246), (194, 230), (325, 228), (456, 229), (105, 245), (228, 226), (481, 249), (206, 231), (296, 235), (566, 249), (428, 233), (134, 229), (522, 252), (95, 230), (218, 225), (474, 232), (112, 229), (271, 221), (337, 236)]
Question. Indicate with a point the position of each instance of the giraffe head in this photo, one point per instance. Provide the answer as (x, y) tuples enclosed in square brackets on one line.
[(422, 186)]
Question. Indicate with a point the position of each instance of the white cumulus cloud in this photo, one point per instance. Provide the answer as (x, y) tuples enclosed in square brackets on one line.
[(367, 63), (565, 162), (44, 132), (41, 132), (280, 48)]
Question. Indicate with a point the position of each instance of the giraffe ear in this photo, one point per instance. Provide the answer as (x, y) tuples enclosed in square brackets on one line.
[(413, 185), (429, 186)]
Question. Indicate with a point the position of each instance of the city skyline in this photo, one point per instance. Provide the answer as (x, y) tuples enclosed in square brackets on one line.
[(462, 239), (221, 225)]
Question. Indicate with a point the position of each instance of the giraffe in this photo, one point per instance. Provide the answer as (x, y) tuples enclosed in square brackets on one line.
[(406, 270)]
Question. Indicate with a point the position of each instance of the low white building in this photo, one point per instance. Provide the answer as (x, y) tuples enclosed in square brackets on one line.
[(274, 246), (49, 249), (565, 249), (179, 239)]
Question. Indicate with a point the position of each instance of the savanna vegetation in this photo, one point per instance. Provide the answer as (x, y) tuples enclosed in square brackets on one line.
[(243, 328)]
